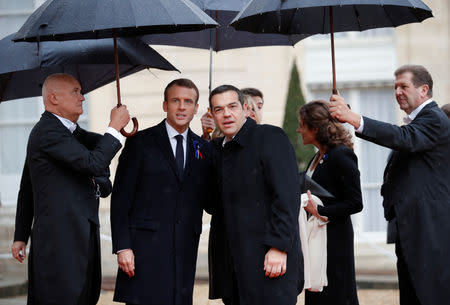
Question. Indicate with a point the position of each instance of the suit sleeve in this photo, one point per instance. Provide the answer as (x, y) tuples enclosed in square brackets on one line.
[(213, 198), (25, 208), (420, 135), (124, 189), (104, 184), (88, 139), (345, 171), (281, 174), (64, 147)]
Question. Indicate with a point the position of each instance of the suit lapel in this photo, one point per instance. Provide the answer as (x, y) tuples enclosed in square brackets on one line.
[(164, 144), (190, 153)]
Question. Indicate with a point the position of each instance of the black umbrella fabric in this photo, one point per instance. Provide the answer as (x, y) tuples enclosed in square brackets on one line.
[(93, 19), (327, 16), (224, 37), (22, 71)]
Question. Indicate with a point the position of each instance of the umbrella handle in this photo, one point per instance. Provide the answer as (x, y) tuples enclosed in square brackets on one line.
[(133, 132)]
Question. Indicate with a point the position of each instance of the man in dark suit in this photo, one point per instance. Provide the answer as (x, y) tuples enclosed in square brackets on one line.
[(160, 190), (57, 203), (258, 183), (416, 187)]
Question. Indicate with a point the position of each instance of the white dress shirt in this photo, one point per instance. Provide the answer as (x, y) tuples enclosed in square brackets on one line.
[(407, 119), (172, 133), (67, 123), (72, 126)]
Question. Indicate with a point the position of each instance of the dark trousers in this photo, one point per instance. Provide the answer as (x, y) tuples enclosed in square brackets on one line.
[(91, 288), (234, 299), (407, 293)]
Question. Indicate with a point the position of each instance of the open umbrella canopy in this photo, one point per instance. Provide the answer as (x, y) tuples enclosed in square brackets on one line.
[(327, 16), (94, 19), (23, 71), (313, 16), (224, 37)]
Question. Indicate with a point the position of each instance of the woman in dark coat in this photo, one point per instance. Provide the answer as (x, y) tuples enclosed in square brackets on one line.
[(335, 167)]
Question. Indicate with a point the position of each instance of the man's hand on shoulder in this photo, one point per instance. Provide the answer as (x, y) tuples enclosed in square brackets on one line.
[(125, 259), (275, 263)]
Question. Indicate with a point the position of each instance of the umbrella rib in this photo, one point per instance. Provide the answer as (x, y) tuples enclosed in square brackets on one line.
[(292, 22), (389, 17), (324, 19), (358, 19), (6, 87)]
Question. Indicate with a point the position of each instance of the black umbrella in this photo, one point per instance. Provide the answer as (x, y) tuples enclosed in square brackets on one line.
[(328, 16), (94, 19), (23, 71), (223, 37)]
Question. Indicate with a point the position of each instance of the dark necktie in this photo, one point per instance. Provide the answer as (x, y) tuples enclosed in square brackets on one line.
[(179, 155)]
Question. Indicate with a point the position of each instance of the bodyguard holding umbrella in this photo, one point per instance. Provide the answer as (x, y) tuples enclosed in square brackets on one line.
[(416, 189), (57, 203)]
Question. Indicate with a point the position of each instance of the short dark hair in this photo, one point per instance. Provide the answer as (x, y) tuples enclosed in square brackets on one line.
[(182, 82), (420, 77), (446, 109), (252, 92), (225, 88)]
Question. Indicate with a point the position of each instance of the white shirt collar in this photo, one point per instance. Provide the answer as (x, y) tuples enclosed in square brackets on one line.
[(171, 132), (225, 138), (410, 117), (67, 123)]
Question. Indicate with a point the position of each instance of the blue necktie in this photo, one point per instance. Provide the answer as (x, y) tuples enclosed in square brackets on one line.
[(179, 155)]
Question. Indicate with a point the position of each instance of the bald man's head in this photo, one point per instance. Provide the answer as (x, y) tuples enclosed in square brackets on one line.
[(62, 96)]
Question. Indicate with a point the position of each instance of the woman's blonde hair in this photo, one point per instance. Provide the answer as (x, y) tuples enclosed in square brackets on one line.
[(251, 104)]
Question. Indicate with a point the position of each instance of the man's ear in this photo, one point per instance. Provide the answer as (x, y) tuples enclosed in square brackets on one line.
[(424, 90), (53, 99), (165, 106), (196, 108)]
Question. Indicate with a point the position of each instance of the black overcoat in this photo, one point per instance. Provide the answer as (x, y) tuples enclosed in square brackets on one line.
[(57, 206), (338, 173), (417, 192), (260, 204), (159, 216)]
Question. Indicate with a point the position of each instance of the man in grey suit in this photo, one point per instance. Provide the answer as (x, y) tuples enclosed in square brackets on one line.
[(57, 203), (416, 188)]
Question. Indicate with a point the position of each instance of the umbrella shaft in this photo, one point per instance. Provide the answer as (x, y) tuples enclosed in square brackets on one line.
[(333, 63), (116, 60)]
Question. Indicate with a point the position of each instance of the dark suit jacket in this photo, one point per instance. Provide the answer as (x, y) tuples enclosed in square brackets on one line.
[(57, 196), (417, 193), (339, 174), (259, 187), (159, 216)]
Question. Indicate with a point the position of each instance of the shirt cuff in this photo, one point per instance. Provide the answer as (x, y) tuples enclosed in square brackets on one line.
[(115, 134), (361, 126), (121, 250)]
